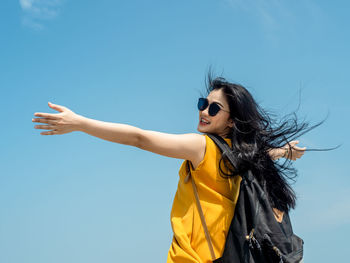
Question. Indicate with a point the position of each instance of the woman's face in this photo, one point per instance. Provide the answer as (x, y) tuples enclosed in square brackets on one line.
[(219, 124)]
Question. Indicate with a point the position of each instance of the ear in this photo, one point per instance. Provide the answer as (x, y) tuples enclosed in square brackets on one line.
[(230, 123)]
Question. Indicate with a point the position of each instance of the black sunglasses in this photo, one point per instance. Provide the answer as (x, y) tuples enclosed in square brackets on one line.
[(214, 107)]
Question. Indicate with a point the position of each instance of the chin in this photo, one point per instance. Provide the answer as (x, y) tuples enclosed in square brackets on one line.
[(200, 129), (203, 129)]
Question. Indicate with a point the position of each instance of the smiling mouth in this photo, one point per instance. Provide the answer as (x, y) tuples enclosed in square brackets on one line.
[(204, 121)]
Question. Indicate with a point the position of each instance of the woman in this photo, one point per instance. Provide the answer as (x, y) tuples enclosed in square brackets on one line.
[(228, 111)]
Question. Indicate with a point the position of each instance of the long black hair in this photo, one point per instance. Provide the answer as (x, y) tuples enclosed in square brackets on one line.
[(254, 133)]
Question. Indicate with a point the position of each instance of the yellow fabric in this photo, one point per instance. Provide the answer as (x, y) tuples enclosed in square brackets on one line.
[(218, 199)]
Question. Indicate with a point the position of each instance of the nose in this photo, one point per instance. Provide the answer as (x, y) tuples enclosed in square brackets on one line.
[(205, 112)]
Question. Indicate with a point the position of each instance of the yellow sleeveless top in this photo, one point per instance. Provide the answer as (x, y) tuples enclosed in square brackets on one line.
[(218, 197)]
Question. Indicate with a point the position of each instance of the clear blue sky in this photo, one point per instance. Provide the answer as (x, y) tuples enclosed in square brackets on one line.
[(76, 198)]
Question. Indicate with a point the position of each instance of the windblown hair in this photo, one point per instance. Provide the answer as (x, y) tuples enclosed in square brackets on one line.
[(253, 134)]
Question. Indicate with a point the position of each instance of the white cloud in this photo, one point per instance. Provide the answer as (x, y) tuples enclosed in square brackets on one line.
[(36, 12), (26, 4)]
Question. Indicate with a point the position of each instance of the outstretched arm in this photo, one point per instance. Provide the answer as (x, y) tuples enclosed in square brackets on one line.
[(182, 146)]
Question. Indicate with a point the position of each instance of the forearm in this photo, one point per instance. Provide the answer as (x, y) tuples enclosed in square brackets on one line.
[(189, 146), (114, 132)]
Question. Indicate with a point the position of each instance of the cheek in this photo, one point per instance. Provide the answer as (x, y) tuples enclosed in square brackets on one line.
[(220, 121), (223, 123), (216, 124)]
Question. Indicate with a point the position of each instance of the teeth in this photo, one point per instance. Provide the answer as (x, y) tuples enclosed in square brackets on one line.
[(205, 121)]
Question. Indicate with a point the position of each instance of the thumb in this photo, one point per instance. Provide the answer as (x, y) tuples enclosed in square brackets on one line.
[(294, 142), (56, 107)]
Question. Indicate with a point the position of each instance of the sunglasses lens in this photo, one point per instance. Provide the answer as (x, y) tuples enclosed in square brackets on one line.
[(202, 104), (213, 109)]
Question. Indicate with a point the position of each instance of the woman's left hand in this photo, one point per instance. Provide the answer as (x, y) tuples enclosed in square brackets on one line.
[(291, 151), (287, 151)]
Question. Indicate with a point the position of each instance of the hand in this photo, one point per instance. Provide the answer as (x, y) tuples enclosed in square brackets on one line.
[(291, 151), (64, 122)]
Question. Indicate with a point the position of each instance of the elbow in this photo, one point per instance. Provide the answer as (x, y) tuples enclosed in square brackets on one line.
[(142, 139), (137, 140)]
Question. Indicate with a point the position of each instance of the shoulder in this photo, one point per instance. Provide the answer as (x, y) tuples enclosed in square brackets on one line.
[(208, 155)]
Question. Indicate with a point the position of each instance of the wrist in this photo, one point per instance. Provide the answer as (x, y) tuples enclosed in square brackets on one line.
[(80, 123), (275, 153), (285, 152)]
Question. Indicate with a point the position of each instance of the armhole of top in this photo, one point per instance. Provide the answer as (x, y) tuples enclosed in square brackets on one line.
[(205, 155)]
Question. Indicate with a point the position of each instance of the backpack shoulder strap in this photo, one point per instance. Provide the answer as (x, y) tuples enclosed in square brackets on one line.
[(223, 146), (200, 211)]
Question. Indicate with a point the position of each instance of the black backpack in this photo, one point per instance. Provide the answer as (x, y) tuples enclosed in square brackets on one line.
[(255, 236)]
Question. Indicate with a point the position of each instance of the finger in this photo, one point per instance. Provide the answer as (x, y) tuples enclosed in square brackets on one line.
[(298, 149), (49, 132), (46, 127), (46, 115), (300, 155), (56, 107), (44, 120), (294, 143)]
